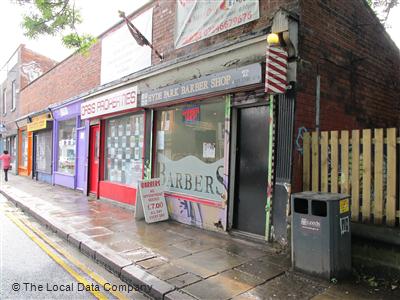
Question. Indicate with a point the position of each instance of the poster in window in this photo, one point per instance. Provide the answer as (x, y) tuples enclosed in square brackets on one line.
[(160, 140), (208, 150)]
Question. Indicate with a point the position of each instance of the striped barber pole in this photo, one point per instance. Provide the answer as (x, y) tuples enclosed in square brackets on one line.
[(276, 69)]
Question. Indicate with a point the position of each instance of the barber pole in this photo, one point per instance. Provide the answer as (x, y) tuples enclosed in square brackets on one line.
[(276, 69)]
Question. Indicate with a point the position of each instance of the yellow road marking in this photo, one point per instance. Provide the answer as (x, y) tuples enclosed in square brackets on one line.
[(54, 256), (73, 260)]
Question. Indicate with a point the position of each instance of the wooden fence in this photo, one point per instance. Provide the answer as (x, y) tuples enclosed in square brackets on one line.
[(361, 163)]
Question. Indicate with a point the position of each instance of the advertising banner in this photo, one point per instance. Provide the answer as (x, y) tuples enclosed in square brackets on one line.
[(150, 201), (200, 19)]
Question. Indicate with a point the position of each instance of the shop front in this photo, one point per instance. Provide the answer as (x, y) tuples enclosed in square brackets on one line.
[(210, 149), (69, 146), (24, 147), (116, 144), (41, 127), (10, 144)]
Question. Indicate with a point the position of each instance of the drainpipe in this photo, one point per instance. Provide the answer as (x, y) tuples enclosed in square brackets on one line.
[(317, 103)]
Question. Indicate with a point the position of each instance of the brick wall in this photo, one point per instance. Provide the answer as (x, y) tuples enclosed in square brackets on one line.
[(359, 67), (75, 75)]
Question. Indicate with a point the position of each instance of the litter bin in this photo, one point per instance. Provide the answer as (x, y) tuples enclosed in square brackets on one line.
[(321, 237)]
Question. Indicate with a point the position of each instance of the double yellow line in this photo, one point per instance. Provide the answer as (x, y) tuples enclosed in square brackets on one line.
[(41, 239)]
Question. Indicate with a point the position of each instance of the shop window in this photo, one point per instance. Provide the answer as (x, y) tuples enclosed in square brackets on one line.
[(43, 151), (124, 149), (24, 148), (190, 149), (66, 146)]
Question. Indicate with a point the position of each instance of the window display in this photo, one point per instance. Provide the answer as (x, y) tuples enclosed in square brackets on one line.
[(66, 146), (190, 149), (124, 148), (24, 147), (43, 151)]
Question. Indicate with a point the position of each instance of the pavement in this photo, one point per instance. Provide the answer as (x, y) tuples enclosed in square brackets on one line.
[(169, 260)]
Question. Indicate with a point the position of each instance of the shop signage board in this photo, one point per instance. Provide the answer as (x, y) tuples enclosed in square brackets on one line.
[(217, 82), (114, 102), (197, 20), (38, 123), (150, 201), (121, 55)]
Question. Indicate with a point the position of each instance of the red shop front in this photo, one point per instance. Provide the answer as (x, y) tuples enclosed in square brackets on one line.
[(116, 144)]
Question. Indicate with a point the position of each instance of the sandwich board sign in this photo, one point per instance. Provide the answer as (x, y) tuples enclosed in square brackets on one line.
[(150, 201)]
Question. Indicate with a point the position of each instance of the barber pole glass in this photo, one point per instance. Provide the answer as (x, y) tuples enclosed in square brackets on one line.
[(276, 69)]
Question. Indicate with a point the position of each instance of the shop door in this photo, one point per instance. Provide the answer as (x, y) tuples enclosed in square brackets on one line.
[(251, 170), (94, 158), (34, 155)]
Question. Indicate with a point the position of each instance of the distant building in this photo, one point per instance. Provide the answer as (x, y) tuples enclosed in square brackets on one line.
[(23, 67)]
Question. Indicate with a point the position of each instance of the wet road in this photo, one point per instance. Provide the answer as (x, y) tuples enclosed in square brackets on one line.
[(31, 265)]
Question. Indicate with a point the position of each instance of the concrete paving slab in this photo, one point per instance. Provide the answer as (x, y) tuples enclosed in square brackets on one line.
[(223, 286), (146, 282), (194, 246), (261, 269), (243, 250), (96, 231), (111, 260), (138, 255), (172, 252), (167, 271), (286, 286), (152, 262), (210, 262), (124, 245), (178, 295), (76, 238), (184, 280)]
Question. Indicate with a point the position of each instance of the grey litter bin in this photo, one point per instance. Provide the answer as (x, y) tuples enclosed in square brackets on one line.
[(321, 237)]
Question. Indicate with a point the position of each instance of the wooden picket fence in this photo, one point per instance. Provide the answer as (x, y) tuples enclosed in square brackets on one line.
[(360, 163)]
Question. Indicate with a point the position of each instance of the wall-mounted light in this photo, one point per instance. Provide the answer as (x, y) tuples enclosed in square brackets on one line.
[(273, 39)]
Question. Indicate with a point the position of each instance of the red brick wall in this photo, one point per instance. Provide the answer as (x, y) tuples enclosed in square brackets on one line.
[(73, 76), (164, 24), (359, 67)]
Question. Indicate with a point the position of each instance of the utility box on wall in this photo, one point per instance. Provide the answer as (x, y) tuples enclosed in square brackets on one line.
[(321, 237)]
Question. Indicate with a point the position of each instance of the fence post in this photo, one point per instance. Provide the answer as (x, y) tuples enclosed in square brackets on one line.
[(378, 176), (306, 161), (355, 175), (315, 161), (391, 177), (366, 175)]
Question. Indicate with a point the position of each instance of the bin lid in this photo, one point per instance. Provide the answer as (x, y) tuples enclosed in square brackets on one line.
[(320, 196)]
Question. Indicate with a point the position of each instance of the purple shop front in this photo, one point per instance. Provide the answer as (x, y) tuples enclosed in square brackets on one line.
[(70, 147)]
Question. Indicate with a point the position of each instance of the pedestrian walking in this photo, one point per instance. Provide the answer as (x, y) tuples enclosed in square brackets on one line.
[(6, 158)]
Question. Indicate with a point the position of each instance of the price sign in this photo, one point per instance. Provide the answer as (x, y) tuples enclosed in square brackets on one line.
[(150, 201)]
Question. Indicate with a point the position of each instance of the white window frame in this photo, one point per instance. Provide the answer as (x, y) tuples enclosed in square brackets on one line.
[(4, 101), (13, 94)]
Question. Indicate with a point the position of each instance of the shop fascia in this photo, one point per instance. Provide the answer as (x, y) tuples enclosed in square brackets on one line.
[(114, 102)]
